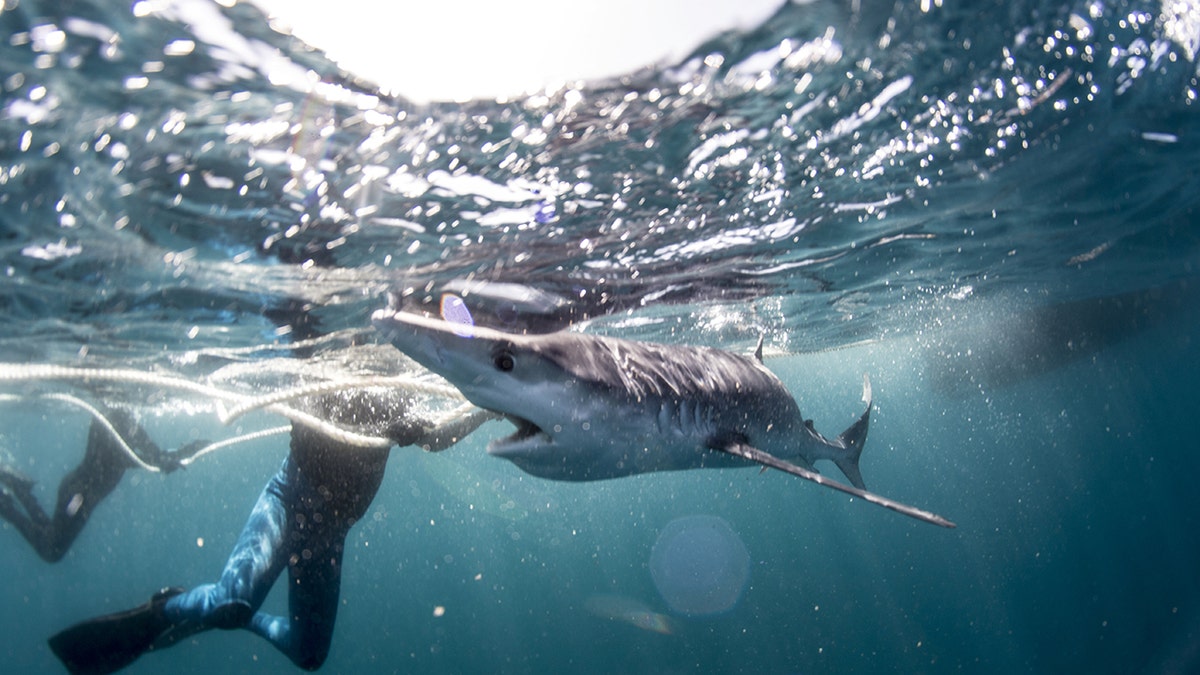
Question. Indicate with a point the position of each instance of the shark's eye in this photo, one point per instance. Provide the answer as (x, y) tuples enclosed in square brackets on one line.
[(504, 361)]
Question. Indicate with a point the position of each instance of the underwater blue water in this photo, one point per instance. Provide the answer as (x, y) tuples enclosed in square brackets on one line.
[(700, 566), (991, 208)]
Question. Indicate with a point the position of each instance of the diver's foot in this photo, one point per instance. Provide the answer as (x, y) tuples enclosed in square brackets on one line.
[(108, 643), (231, 615)]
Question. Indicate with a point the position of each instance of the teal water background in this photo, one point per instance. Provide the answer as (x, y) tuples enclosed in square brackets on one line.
[(1072, 493)]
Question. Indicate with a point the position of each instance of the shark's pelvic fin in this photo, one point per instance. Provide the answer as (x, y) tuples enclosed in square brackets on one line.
[(755, 455)]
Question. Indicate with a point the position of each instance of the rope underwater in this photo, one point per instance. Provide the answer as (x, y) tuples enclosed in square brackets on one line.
[(241, 404)]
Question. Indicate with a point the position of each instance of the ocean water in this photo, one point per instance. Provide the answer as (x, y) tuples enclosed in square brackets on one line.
[(991, 208)]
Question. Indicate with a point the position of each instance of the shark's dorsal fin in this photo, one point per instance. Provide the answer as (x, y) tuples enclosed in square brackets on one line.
[(766, 459), (758, 349)]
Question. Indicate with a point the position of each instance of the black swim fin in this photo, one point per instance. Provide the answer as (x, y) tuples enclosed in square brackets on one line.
[(109, 643)]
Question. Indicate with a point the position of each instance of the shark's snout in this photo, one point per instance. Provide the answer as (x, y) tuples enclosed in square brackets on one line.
[(461, 353), (408, 337)]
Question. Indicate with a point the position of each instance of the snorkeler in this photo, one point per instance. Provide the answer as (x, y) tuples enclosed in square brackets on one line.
[(300, 522), (81, 491)]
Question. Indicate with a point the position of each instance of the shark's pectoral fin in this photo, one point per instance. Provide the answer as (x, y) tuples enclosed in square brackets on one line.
[(755, 455)]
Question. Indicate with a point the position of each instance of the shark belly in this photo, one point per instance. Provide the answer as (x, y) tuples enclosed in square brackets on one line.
[(616, 440)]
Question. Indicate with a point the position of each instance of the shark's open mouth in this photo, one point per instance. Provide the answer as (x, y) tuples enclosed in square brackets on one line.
[(527, 435)]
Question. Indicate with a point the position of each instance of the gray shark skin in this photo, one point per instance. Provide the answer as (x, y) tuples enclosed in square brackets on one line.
[(591, 408)]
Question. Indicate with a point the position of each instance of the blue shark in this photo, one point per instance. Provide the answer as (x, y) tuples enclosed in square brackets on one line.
[(590, 407)]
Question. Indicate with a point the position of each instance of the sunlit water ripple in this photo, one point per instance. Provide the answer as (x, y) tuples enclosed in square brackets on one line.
[(825, 178)]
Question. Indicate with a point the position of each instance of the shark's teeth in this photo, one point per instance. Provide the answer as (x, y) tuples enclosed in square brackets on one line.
[(527, 436), (525, 430)]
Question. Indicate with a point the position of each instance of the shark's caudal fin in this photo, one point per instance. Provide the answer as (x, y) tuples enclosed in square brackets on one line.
[(851, 442), (765, 459)]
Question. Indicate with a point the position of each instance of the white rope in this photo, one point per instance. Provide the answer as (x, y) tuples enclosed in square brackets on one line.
[(401, 382), (19, 372), (15, 372), (244, 438), (335, 432), (104, 421)]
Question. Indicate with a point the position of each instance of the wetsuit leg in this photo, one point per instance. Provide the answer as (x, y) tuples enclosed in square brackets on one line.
[(315, 576), (258, 557), (318, 529), (79, 493), (20, 508)]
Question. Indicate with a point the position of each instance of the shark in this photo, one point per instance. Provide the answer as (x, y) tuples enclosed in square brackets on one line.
[(589, 407)]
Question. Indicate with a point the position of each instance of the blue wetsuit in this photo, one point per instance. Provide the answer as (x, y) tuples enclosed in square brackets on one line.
[(300, 523)]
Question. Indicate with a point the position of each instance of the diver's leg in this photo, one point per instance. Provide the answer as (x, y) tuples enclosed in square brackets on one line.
[(20, 507), (79, 493), (257, 560), (21, 510), (14, 479), (305, 635)]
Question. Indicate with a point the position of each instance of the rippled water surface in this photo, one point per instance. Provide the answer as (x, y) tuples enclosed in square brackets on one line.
[(990, 207)]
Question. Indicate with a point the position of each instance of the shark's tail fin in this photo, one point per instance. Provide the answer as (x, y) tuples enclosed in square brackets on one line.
[(851, 441)]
